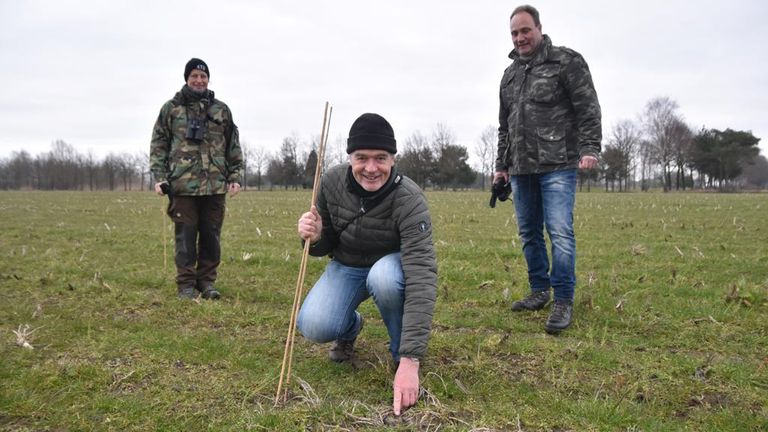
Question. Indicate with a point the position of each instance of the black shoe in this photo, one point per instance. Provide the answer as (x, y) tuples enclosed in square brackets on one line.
[(341, 350), (559, 317), (534, 301), (210, 293), (187, 293)]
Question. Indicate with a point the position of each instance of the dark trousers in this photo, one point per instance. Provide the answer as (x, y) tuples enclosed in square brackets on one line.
[(198, 221)]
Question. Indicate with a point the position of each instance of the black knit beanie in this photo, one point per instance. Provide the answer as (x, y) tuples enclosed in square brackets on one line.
[(371, 132), (195, 63)]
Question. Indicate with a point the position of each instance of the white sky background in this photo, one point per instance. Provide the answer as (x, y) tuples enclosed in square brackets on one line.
[(95, 73)]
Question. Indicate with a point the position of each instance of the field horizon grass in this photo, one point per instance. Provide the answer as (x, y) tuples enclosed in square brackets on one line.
[(670, 329)]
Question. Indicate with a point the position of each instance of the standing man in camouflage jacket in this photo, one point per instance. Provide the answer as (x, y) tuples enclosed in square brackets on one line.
[(195, 157), (549, 126), (375, 225)]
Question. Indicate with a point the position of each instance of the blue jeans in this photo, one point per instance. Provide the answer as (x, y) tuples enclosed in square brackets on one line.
[(329, 310), (547, 200)]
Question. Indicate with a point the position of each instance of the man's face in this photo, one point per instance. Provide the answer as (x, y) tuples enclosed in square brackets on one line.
[(526, 36), (371, 168), (198, 81)]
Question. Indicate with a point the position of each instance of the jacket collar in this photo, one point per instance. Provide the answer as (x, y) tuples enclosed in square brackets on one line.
[(541, 54)]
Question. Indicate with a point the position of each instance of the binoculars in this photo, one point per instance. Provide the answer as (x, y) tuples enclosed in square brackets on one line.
[(195, 129), (501, 191)]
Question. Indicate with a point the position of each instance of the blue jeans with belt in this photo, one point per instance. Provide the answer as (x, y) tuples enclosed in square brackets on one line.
[(547, 200), (329, 310)]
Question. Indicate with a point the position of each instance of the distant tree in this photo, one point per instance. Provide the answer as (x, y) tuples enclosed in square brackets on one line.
[(755, 172), (274, 172), (246, 150), (416, 160), (91, 169), (111, 168), (141, 166), (682, 140), (645, 155), (625, 138), (291, 173), (126, 170), (257, 158), (452, 169), (588, 177), (613, 167), (335, 152), (660, 120), (485, 150), (19, 169), (309, 170), (721, 155)]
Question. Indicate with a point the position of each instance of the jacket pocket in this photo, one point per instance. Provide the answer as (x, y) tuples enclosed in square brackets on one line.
[(216, 135), (552, 149), (183, 162), (544, 84), (508, 90)]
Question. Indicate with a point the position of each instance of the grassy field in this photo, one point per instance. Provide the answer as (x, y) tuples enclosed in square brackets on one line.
[(670, 333)]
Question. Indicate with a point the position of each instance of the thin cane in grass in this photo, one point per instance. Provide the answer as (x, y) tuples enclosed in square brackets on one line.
[(166, 189), (288, 354), (165, 239)]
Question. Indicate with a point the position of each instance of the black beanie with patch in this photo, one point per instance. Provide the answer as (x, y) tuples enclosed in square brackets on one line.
[(195, 63), (371, 132)]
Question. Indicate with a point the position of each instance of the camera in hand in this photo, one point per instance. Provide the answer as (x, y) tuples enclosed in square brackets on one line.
[(500, 191)]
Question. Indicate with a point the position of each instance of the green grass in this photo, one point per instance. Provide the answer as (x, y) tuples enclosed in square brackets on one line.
[(670, 330)]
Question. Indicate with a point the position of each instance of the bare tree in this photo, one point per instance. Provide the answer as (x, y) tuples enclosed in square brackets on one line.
[(485, 150), (417, 160), (256, 161), (681, 136), (91, 169), (660, 119), (336, 152), (245, 149), (625, 138), (442, 136), (141, 166), (111, 166)]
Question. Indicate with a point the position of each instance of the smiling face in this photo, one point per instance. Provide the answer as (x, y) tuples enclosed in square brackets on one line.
[(371, 168), (198, 81), (526, 35)]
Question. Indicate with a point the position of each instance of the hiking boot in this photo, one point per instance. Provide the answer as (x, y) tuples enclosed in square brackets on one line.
[(187, 293), (559, 317), (210, 293), (342, 350), (535, 301)]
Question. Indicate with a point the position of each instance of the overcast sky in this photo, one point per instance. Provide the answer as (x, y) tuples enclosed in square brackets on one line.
[(95, 73)]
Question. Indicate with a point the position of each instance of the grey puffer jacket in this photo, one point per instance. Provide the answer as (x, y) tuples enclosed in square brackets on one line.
[(357, 236)]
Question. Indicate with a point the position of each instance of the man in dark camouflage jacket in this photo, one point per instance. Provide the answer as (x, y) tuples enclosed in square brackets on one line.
[(549, 126), (375, 225), (195, 157)]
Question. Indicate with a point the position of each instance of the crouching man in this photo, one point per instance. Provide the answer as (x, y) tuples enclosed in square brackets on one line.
[(375, 226)]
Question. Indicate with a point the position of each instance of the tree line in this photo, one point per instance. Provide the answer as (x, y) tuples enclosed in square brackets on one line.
[(657, 150)]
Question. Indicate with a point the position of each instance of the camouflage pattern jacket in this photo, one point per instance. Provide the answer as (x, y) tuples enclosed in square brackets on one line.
[(357, 233), (196, 167), (549, 115)]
